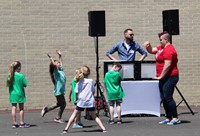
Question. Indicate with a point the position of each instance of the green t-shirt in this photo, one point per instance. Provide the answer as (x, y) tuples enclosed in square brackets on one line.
[(16, 90), (73, 86), (112, 81)]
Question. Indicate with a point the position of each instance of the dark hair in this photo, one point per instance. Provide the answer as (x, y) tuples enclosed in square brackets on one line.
[(128, 29), (13, 67), (51, 69), (162, 33), (117, 64)]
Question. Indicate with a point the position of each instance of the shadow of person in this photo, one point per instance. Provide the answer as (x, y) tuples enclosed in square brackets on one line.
[(33, 125), (185, 121)]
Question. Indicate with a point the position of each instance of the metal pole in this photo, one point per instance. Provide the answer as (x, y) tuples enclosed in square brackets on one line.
[(97, 66)]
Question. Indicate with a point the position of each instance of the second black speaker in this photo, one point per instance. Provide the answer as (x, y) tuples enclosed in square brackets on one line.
[(171, 21), (97, 25)]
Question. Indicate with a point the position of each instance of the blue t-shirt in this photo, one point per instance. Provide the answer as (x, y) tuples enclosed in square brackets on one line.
[(60, 81)]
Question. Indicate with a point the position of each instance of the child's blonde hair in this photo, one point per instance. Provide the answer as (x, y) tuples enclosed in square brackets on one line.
[(82, 73), (13, 67)]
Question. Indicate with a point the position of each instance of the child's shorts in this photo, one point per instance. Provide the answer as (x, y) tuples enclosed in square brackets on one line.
[(82, 109), (113, 102)]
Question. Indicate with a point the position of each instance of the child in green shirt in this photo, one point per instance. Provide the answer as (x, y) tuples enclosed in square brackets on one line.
[(16, 82), (59, 80), (115, 93)]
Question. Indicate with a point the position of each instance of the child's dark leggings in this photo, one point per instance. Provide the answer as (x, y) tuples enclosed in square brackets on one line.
[(60, 103)]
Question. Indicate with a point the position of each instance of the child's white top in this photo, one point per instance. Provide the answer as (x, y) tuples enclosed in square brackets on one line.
[(85, 89)]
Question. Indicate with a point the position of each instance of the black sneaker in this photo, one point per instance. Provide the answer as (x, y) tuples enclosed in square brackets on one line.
[(15, 126), (119, 121), (25, 125), (111, 122)]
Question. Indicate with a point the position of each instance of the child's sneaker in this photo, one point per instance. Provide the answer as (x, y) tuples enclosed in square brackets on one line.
[(75, 125), (24, 125), (119, 121), (79, 123), (111, 122), (44, 111), (64, 132), (15, 126), (174, 122), (58, 120)]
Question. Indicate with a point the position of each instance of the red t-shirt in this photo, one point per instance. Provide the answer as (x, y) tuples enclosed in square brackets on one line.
[(167, 53)]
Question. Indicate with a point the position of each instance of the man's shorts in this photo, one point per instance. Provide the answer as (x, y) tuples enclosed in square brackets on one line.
[(82, 109), (113, 102)]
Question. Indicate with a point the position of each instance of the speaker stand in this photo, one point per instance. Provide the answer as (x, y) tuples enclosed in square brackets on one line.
[(183, 99), (100, 96)]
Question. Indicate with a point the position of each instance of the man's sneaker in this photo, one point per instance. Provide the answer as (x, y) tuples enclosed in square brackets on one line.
[(174, 122), (58, 120), (119, 121), (75, 125), (44, 111), (24, 125), (163, 122), (15, 125), (111, 122)]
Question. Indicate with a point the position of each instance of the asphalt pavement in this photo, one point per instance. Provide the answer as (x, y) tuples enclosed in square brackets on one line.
[(133, 125)]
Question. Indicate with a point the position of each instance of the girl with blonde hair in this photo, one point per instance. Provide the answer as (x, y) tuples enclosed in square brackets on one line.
[(16, 82), (85, 95)]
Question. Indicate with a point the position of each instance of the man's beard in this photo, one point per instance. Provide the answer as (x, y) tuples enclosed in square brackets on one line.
[(130, 39)]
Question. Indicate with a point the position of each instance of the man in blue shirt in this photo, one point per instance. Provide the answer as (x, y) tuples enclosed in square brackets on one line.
[(127, 48)]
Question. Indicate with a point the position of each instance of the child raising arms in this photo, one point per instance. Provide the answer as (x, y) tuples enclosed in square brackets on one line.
[(115, 93), (59, 80), (16, 82), (85, 95)]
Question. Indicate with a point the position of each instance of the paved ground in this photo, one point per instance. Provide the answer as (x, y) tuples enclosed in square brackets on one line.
[(132, 126)]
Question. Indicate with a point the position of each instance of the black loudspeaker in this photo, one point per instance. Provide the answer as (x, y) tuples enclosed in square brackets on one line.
[(171, 21), (97, 23)]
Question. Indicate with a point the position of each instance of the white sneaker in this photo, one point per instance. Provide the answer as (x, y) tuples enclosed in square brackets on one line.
[(58, 120), (77, 126), (44, 111)]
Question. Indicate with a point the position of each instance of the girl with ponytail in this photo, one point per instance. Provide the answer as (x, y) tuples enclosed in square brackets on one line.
[(85, 95), (16, 82)]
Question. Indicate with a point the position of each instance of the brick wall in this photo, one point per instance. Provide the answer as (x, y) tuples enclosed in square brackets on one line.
[(29, 29)]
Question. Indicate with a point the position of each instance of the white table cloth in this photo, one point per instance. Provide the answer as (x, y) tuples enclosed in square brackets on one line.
[(142, 97)]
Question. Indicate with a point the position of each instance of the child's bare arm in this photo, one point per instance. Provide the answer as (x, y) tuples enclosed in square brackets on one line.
[(60, 55), (51, 59)]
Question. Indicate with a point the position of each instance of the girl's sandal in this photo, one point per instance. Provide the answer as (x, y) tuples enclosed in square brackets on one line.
[(104, 131), (64, 132)]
